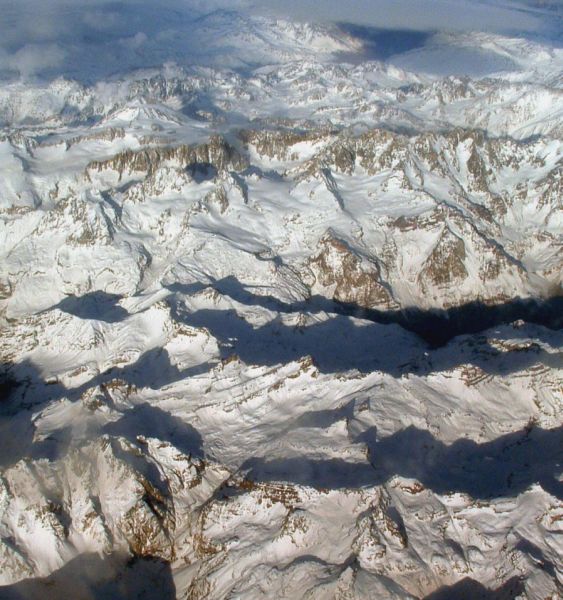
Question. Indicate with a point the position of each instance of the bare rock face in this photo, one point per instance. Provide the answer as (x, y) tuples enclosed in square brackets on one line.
[(451, 260), (217, 153), (108, 134), (278, 144), (95, 498), (378, 150), (446, 263), (347, 277), (163, 180), (219, 198)]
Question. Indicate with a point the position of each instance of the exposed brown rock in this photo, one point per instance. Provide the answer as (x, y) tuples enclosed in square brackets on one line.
[(352, 279), (217, 153), (446, 263)]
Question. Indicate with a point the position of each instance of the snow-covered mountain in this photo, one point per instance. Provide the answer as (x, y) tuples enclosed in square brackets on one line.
[(289, 328)]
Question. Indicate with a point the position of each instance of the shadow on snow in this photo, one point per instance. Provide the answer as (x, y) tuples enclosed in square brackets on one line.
[(505, 466), (99, 578)]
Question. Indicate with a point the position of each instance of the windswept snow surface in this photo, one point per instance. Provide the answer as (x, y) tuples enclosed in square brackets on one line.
[(289, 328)]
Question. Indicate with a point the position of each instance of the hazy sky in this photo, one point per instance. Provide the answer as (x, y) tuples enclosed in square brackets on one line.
[(99, 37), (482, 15)]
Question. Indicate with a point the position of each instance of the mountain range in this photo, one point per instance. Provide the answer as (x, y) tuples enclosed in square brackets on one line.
[(284, 320)]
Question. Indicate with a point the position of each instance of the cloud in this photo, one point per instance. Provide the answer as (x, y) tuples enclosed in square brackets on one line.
[(100, 20), (32, 58), (93, 39), (89, 39), (85, 39), (134, 42), (417, 15)]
